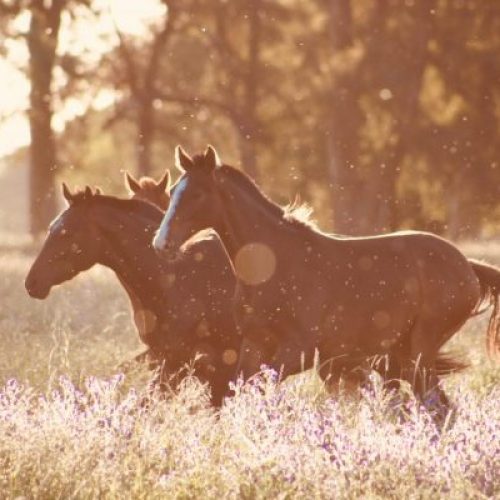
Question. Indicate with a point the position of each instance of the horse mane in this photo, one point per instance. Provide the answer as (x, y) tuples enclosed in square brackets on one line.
[(296, 213), (301, 213), (137, 206)]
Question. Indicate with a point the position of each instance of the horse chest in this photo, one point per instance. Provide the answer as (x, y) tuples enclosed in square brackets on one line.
[(147, 324)]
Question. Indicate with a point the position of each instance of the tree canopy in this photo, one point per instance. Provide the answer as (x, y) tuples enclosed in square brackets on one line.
[(382, 114)]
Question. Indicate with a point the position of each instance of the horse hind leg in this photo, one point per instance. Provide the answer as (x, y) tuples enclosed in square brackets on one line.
[(422, 366), (340, 375), (352, 373)]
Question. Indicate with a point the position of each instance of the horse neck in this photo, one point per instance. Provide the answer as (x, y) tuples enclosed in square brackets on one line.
[(128, 252), (249, 217)]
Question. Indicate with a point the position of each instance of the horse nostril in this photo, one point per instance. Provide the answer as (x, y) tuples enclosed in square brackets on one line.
[(168, 251)]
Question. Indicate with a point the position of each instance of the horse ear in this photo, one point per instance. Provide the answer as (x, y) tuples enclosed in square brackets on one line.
[(131, 183), (182, 160), (98, 190), (164, 183), (88, 192), (212, 158), (68, 196)]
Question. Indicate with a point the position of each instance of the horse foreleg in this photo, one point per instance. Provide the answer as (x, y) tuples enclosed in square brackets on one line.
[(290, 358), (252, 356)]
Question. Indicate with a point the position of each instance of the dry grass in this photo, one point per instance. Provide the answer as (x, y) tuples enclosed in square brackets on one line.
[(72, 426)]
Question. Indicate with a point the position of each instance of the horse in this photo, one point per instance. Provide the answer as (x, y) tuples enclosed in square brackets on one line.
[(185, 307), (400, 295), (147, 189), (156, 192)]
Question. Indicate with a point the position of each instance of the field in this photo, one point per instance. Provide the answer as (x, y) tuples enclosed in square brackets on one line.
[(71, 424)]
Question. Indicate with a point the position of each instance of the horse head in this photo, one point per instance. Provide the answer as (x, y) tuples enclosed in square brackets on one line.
[(147, 189), (194, 201), (71, 246)]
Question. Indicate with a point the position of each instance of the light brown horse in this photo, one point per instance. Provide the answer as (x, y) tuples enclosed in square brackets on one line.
[(147, 189), (181, 308), (401, 295)]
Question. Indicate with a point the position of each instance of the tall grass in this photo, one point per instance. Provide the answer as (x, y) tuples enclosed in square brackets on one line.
[(73, 426)]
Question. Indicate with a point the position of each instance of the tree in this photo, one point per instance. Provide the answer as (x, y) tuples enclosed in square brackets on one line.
[(383, 113), (345, 120), (397, 56), (237, 36), (137, 71), (378, 58), (461, 128), (241, 72), (42, 41)]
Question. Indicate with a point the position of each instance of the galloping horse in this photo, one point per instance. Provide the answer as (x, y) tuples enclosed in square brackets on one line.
[(400, 295), (185, 307), (157, 192)]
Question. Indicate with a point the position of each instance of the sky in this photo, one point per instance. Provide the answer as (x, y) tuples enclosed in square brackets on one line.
[(130, 16)]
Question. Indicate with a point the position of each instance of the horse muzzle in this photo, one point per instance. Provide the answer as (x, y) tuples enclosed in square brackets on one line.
[(159, 242), (35, 289), (167, 250)]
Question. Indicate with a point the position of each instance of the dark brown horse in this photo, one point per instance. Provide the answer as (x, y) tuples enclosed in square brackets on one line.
[(156, 192), (148, 189), (401, 295), (185, 306)]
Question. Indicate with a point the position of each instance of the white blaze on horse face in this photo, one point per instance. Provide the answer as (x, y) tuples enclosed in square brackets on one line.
[(161, 238)]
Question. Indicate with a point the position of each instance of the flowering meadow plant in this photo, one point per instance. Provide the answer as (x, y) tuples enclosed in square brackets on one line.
[(72, 425), (268, 441)]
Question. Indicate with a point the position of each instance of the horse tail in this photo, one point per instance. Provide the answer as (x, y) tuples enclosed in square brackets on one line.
[(489, 280), (447, 363)]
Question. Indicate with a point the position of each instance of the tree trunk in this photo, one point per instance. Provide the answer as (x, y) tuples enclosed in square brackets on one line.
[(146, 127), (342, 137), (404, 106), (382, 197), (42, 43), (346, 184), (461, 219), (248, 132), (248, 154)]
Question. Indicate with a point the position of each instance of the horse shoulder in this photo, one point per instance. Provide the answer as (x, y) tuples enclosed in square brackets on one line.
[(212, 255)]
